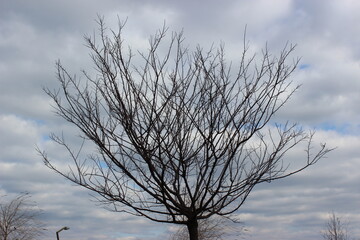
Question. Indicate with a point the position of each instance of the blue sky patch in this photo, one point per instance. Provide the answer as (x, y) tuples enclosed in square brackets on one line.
[(304, 66)]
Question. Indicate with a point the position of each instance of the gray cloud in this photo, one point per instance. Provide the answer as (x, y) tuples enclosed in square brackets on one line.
[(33, 35)]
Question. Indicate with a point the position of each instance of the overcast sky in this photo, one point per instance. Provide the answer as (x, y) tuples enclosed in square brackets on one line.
[(34, 34)]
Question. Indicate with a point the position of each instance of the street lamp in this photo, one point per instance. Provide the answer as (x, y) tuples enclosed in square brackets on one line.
[(57, 233)]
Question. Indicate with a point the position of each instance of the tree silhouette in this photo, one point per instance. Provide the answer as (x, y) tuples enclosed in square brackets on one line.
[(180, 135), (19, 220), (335, 229)]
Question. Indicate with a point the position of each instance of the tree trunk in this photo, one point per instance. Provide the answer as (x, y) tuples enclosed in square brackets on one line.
[(192, 226)]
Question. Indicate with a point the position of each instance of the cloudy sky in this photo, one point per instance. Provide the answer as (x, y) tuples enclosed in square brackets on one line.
[(34, 34)]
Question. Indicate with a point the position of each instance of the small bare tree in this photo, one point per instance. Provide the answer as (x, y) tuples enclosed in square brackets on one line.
[(180, 135), (335, 229), (19, 220), (215, 228)]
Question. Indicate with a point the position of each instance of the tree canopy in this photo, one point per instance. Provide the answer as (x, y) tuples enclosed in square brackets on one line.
[(181, 135), (19, 220)]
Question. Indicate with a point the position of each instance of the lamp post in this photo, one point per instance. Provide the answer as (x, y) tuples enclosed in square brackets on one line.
[(57, 233)]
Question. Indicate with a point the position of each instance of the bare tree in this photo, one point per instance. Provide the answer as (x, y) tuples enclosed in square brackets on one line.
[(19, 220), (180, 135), (335, 229)]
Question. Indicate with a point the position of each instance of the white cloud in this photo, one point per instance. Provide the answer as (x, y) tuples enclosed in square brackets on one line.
[(33, 35)]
